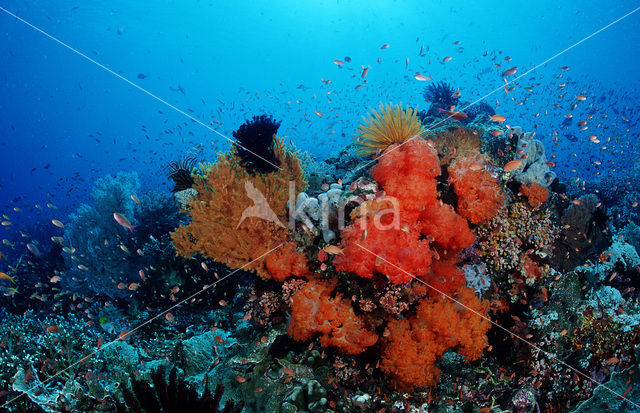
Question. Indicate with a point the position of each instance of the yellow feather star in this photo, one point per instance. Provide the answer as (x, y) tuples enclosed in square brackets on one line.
[(391, 125)]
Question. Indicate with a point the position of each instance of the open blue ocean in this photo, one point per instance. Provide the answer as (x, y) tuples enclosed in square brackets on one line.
[(319, 206)]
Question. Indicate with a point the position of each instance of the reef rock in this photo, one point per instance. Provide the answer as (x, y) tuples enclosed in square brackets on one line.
[(531, 152)]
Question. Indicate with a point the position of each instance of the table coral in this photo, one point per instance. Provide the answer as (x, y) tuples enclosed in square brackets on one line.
[(219, 228)]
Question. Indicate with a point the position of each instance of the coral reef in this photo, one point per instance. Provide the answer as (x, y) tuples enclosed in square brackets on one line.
[(415, 344), (535, 166), (536, 195), (171, 395), (479, 195)]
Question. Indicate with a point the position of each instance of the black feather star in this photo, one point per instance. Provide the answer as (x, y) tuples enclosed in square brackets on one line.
[(172, 396), (255, 144), (441, 94), (180, 172)]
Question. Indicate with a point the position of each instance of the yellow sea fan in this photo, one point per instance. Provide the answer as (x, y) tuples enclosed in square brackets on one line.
[(389, 126)]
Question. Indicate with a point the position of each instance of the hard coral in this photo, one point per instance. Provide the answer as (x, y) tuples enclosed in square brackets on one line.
[(453, 141), (536, 195), (414, 345), (392, 125), (479, 195), (237, 217), (313, 311)]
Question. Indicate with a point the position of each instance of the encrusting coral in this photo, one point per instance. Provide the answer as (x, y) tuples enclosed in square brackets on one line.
[(237, 216), (392, 125)]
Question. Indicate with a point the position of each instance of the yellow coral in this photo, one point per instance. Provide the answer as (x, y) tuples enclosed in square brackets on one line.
[(221, 228), (392, 125)]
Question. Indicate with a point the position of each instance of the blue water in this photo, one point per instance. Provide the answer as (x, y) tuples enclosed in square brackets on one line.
[(65, 121)]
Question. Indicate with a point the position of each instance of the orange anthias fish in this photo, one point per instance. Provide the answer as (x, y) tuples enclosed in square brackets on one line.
[(5, 276), (453, 114), (123, 221), (512, 165)]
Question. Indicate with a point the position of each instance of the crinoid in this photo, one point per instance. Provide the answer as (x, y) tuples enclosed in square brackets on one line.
[(391, 125), (255, 144), (172, 396), (441, 95), (180, 173)]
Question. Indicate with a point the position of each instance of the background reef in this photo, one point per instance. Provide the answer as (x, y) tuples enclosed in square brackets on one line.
[(318, 222)]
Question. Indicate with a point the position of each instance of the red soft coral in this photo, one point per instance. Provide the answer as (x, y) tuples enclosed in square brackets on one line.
[(479, 195), (444, 276), (414, 345), (447, 228), (536, 194), (285, 262), (313, 311), (399, 254), (408, 173)]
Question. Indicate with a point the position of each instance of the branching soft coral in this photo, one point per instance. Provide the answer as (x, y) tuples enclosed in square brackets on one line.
[(414, 345), (398, 254), (536, 195), (222, 229), (479, 195), (407, 172), (403, 251), (313, 311), (285, 262)]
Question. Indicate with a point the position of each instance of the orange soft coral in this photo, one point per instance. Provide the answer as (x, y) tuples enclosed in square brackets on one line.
[(414, 345), (285, 262), (402, 251), (447, 228), (399, 254), (479, 195), (313, 311), (408, 173), (218, 228), (536, 194)]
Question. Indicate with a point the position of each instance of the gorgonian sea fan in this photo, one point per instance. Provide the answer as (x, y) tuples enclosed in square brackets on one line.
[(255, 144)]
